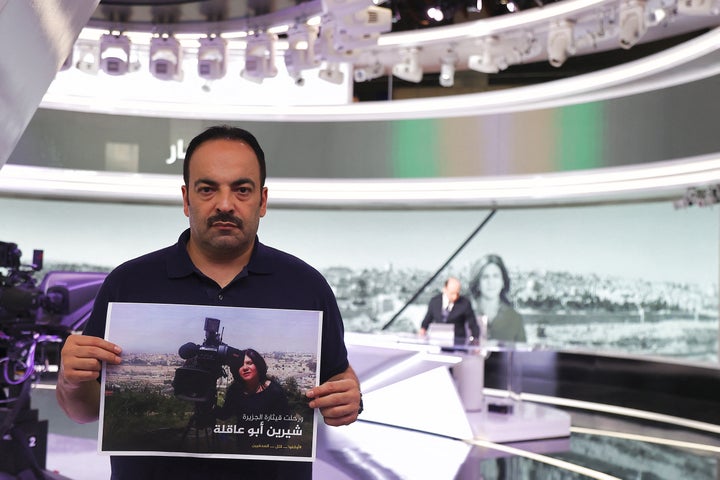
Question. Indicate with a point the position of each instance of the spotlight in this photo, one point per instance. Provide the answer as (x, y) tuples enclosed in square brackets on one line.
[(212, 58), (447, 69), (409, 68), (88, 58), (300, 54), (370, 72), (331, 73), (359, 29), (115, 54), (441, 12), (560, 43), (260, 58), (166, 58), (492, 58), (332, 44), (435, 13), (482, 63), (372, 19), (632, 23), (657, 16)]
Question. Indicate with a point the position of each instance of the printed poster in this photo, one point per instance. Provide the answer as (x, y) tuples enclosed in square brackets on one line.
[(203, 381)]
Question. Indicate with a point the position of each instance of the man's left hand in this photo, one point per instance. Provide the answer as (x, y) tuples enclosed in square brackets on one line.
[(338, 399)]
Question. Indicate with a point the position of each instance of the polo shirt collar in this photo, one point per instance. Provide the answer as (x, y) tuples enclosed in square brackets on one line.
[(180, 265)]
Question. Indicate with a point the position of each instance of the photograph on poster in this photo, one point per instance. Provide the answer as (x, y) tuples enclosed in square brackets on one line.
[(206, 381)]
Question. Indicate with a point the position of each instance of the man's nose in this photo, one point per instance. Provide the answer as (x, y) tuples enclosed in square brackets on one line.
[(224, 200)]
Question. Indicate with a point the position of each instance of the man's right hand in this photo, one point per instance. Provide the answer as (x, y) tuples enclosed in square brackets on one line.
[(78, 391), (82, 357)]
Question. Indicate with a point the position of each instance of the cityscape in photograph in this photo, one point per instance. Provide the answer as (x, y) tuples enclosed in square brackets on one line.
[(157, 370)]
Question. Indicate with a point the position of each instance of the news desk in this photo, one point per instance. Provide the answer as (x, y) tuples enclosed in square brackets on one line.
[(438, 387)]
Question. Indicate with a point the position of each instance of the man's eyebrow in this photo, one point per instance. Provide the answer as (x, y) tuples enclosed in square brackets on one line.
[(235, 183), (243, 181), (205, 181)]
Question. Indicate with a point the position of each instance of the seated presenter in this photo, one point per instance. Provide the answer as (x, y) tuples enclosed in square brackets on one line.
[(252, 392), (490, 287), (452, 308)]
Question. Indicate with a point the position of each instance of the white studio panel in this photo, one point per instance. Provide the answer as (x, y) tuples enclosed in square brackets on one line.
[(418, 408), (34, 39)]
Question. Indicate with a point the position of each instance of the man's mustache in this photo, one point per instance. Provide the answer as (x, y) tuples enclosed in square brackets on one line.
[(225, 218)]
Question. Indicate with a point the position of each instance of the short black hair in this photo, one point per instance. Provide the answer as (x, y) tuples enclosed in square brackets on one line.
[(224, 132)]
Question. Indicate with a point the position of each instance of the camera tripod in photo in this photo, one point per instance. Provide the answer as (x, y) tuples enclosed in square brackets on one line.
[(196, 381), (202, 421)]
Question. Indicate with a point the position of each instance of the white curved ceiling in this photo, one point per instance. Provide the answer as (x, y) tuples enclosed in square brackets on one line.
[(523, 37), (692, 60), (659, 181)]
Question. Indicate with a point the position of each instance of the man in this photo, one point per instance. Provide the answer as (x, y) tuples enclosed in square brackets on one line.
[(217, 261), (450, 307)]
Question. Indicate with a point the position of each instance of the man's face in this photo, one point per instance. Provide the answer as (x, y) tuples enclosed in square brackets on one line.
[(452, 290), (224, 199)]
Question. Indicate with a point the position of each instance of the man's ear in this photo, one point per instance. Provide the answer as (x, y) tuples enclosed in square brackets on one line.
[(263, 201), (186, 200)]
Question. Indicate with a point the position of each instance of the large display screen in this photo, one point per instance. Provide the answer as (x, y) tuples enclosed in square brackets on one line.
[(638, 278)]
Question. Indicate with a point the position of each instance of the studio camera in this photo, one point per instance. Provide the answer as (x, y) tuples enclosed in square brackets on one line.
[(21, 301), (35, 318), (33, 314), (196, 380)]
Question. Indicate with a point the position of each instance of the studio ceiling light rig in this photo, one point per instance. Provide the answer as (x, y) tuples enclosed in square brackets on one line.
[(212, 58), (88, 58), (338, 38), (632, 23), (115, 54), (560, 43), (491, 58), (300, 54), (260, 58), (369, 72), (331, 73), (409, 68), (166, 58), (447, 68)]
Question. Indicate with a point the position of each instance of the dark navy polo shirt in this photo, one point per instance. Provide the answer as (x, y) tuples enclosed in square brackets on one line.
[(271, 279)]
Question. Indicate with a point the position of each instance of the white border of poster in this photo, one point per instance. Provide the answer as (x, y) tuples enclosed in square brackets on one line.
[(161, 341)]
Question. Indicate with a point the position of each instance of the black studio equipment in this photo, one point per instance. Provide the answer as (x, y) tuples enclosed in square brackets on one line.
[(35, 319), (196, 380)]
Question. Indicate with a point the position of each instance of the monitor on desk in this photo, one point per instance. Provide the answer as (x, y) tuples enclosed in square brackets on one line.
[(441, 333)]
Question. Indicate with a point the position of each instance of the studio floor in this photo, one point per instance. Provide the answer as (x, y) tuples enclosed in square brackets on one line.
[(602, 446)]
